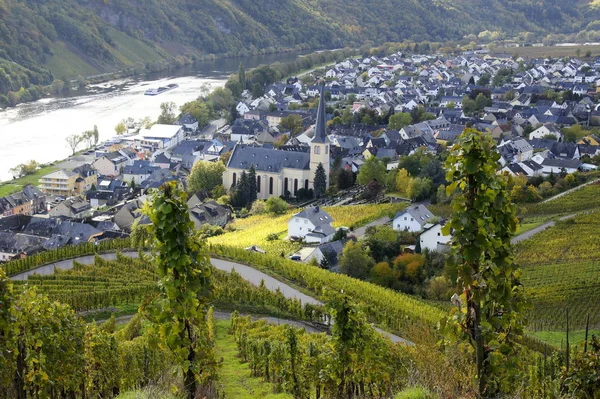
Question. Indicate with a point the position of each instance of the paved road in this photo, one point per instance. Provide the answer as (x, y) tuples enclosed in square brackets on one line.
[(362, 230), (252, 275), (570, 191), (540, 228)]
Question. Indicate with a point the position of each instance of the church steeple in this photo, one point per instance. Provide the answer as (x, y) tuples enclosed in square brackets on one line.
[(320, 144), (321, 126)]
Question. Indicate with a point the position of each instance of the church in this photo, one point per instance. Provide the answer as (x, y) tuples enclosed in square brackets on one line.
[(282, 171)]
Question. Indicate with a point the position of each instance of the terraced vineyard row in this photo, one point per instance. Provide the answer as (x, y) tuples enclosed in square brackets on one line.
[(130, 281), (552, 288), (586, 198), (573, 240)]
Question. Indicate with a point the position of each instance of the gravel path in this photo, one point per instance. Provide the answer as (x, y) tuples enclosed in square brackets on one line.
[(252, 275), (362, 230)]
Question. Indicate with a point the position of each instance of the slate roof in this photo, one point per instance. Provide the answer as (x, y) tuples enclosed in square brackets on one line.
[(420, 213), (321, 126), (317, 216), (332, 250), (562, 163), (19, 243), (140, 168), (266, 159)]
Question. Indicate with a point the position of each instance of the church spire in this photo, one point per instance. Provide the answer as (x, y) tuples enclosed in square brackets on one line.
[(321, 126)]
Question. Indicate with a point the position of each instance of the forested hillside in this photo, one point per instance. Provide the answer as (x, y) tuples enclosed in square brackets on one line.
[(44, 40)]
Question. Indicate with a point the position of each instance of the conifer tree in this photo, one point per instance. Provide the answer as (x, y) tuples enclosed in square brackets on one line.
[(320, 183), (242, 76)]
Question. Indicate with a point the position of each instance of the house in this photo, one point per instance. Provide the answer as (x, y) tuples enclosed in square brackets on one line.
[(88, 177), (14, 244), (412, 219), (129, 214), (312, 224), (111, 164), (210, 212), (139, 171), (189, 123), (556, 166), (158, 137), (61, 182), (330, 251), (73, 208), (432, 237), (282, 171), (26, 202), (545, 131)]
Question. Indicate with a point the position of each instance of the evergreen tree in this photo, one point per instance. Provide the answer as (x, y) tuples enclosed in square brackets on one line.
[(242, 76), (320, 183), (252, 187)]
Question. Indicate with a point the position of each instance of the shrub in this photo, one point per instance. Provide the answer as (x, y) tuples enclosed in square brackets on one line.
[(276, 205)]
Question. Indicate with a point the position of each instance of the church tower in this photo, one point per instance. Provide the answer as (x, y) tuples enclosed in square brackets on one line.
[(320, 145)]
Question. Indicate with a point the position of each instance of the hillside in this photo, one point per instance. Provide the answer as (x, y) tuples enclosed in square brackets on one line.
[(45, 40)]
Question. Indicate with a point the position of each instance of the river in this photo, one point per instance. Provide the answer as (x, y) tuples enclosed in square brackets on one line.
[(38, 130)]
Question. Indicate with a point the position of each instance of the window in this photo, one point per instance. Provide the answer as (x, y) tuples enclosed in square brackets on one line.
[(285, 186), (412, 220), (297, 220), (326, 149), (439, 234), (405, 218), (305, 221), (234, 179), (258, 184), (306, 184), (295, 186), (270, 185), (317, 150)]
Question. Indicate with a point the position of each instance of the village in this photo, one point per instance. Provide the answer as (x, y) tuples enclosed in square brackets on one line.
[(336, 136)]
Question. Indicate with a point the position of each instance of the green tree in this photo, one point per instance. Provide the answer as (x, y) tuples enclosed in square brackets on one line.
[(180, 311), (205, 176), (355, 261), (482, 224), (482, 101), (167, 113), (257, 90), (242, 76), (399, 120), (276, 206), (293, 123), (199, 111), (120, 128), (372, 169), (7, 349), (419, 188), (402, 181), (252, 189), (320, 182)]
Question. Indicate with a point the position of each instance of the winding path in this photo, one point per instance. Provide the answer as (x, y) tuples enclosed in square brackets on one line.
[(248, 273)]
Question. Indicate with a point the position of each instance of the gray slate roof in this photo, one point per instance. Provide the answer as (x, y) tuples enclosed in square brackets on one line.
[(316, 215), (266, 159), (419, 212), (321, 126)]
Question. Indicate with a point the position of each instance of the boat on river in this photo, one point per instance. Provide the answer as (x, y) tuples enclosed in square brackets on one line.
[(161, 89)]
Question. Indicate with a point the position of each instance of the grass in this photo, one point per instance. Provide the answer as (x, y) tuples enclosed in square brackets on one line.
[(13, 186), (558, 338), (525, 227), (235, 379)]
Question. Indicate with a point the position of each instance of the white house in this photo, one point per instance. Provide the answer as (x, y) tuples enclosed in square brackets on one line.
[(242, 108), (412, 219), (158, 137), (546, 130), (312, 224), (557, 165), (432, 237)]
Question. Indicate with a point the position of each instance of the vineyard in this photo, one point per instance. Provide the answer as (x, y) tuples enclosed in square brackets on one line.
[(255, 230), (572, 240), (561, 268), (584, 199), (130, 281)]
